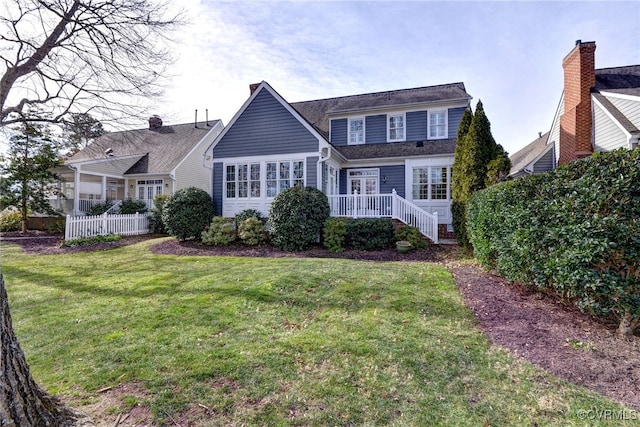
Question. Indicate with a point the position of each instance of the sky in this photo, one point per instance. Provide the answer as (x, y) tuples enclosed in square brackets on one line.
[(507, 53)]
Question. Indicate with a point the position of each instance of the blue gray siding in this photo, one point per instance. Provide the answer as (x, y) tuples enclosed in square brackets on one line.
[(545, 163), (339, 132), (265, 127), (216, 187), (395, 179), (416, 126), (312, 172), (454, 117), (375, 129)]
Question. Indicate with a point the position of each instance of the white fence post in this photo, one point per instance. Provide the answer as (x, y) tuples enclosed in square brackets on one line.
[(394, 204), (435, 227)]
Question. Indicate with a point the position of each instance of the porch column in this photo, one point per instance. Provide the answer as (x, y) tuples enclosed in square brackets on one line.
[(76, 190), (104, 188)]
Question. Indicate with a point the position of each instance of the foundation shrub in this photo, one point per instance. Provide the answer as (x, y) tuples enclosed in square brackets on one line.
[(296, 217), (252, 231), (370, 233), (221, 232), (335, 234)]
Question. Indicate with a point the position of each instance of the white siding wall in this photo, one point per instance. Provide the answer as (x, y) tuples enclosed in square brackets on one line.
[(608, 135), (192, 172), (628, 107), (554, 135)]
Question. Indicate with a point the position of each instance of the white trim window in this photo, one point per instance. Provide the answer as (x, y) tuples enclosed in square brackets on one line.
[(437, 124), (356, 131), (396, 127), (246, 180), (431, 183)]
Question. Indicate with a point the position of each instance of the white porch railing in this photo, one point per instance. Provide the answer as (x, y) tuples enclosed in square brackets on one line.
[(385, 205), (102, 225)]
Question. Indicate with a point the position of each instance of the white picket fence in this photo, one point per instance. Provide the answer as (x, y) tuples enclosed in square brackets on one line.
[(102, 225)]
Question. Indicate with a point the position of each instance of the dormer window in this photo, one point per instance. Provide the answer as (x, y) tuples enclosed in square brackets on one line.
[(356, 131), (395, 127), (437, 124)]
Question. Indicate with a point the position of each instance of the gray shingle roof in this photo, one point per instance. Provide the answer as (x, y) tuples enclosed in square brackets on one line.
[(162, 148), (397, 149), (524, 156), (623, 80), (317, 112)]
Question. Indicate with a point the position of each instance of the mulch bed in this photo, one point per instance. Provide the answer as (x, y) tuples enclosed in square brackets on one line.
[(559, 339)]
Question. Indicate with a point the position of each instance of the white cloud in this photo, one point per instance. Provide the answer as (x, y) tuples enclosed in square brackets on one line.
[(508, 54)]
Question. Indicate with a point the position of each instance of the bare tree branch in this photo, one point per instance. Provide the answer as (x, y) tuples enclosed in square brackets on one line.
[(65, 56)]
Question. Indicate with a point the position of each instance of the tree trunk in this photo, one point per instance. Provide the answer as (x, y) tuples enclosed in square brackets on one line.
[(22, 402)]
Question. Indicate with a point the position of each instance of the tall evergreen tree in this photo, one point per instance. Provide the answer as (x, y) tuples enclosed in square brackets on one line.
[(27, 169), (478, 162)]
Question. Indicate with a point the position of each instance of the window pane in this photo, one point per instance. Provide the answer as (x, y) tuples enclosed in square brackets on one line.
[(242, 172), (231, 173), (439, 183), (284, 170), (255, 172), (141, 193), (298, 170), (272, 171), (242, 189), (272, 188), (231, 190)]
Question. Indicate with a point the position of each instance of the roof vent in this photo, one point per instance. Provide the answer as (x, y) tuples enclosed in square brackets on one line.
[(155, 122), (108, 152)]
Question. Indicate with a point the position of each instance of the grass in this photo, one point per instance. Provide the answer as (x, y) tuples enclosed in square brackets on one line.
[(275, 341)]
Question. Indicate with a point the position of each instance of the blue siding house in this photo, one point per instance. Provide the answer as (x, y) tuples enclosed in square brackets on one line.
[(384, 154)]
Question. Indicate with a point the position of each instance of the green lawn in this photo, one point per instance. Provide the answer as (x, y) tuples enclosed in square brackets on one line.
[(282, 341)]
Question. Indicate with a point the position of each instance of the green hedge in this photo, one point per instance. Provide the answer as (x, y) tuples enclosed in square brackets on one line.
[(574, 232)]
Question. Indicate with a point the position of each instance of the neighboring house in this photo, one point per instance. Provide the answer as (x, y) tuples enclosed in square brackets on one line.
[(370, 145), (599, 110), (137, 164)]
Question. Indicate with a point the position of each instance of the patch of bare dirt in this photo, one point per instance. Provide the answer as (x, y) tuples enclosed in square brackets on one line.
[(559, 339)]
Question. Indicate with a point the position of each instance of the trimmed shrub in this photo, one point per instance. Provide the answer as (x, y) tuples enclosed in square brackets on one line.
[(100, 208), (156, 225), (335, 234), (252, 231), (296, 217), (94, 240), (221, 232), (411, 235), (370, 233), (574, 232), (10, 220), (132, 206), (187, 213), (249, 213)]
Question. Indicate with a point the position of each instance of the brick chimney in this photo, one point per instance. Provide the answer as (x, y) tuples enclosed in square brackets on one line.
[(155, 122), (253, 87), (576, 123)]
